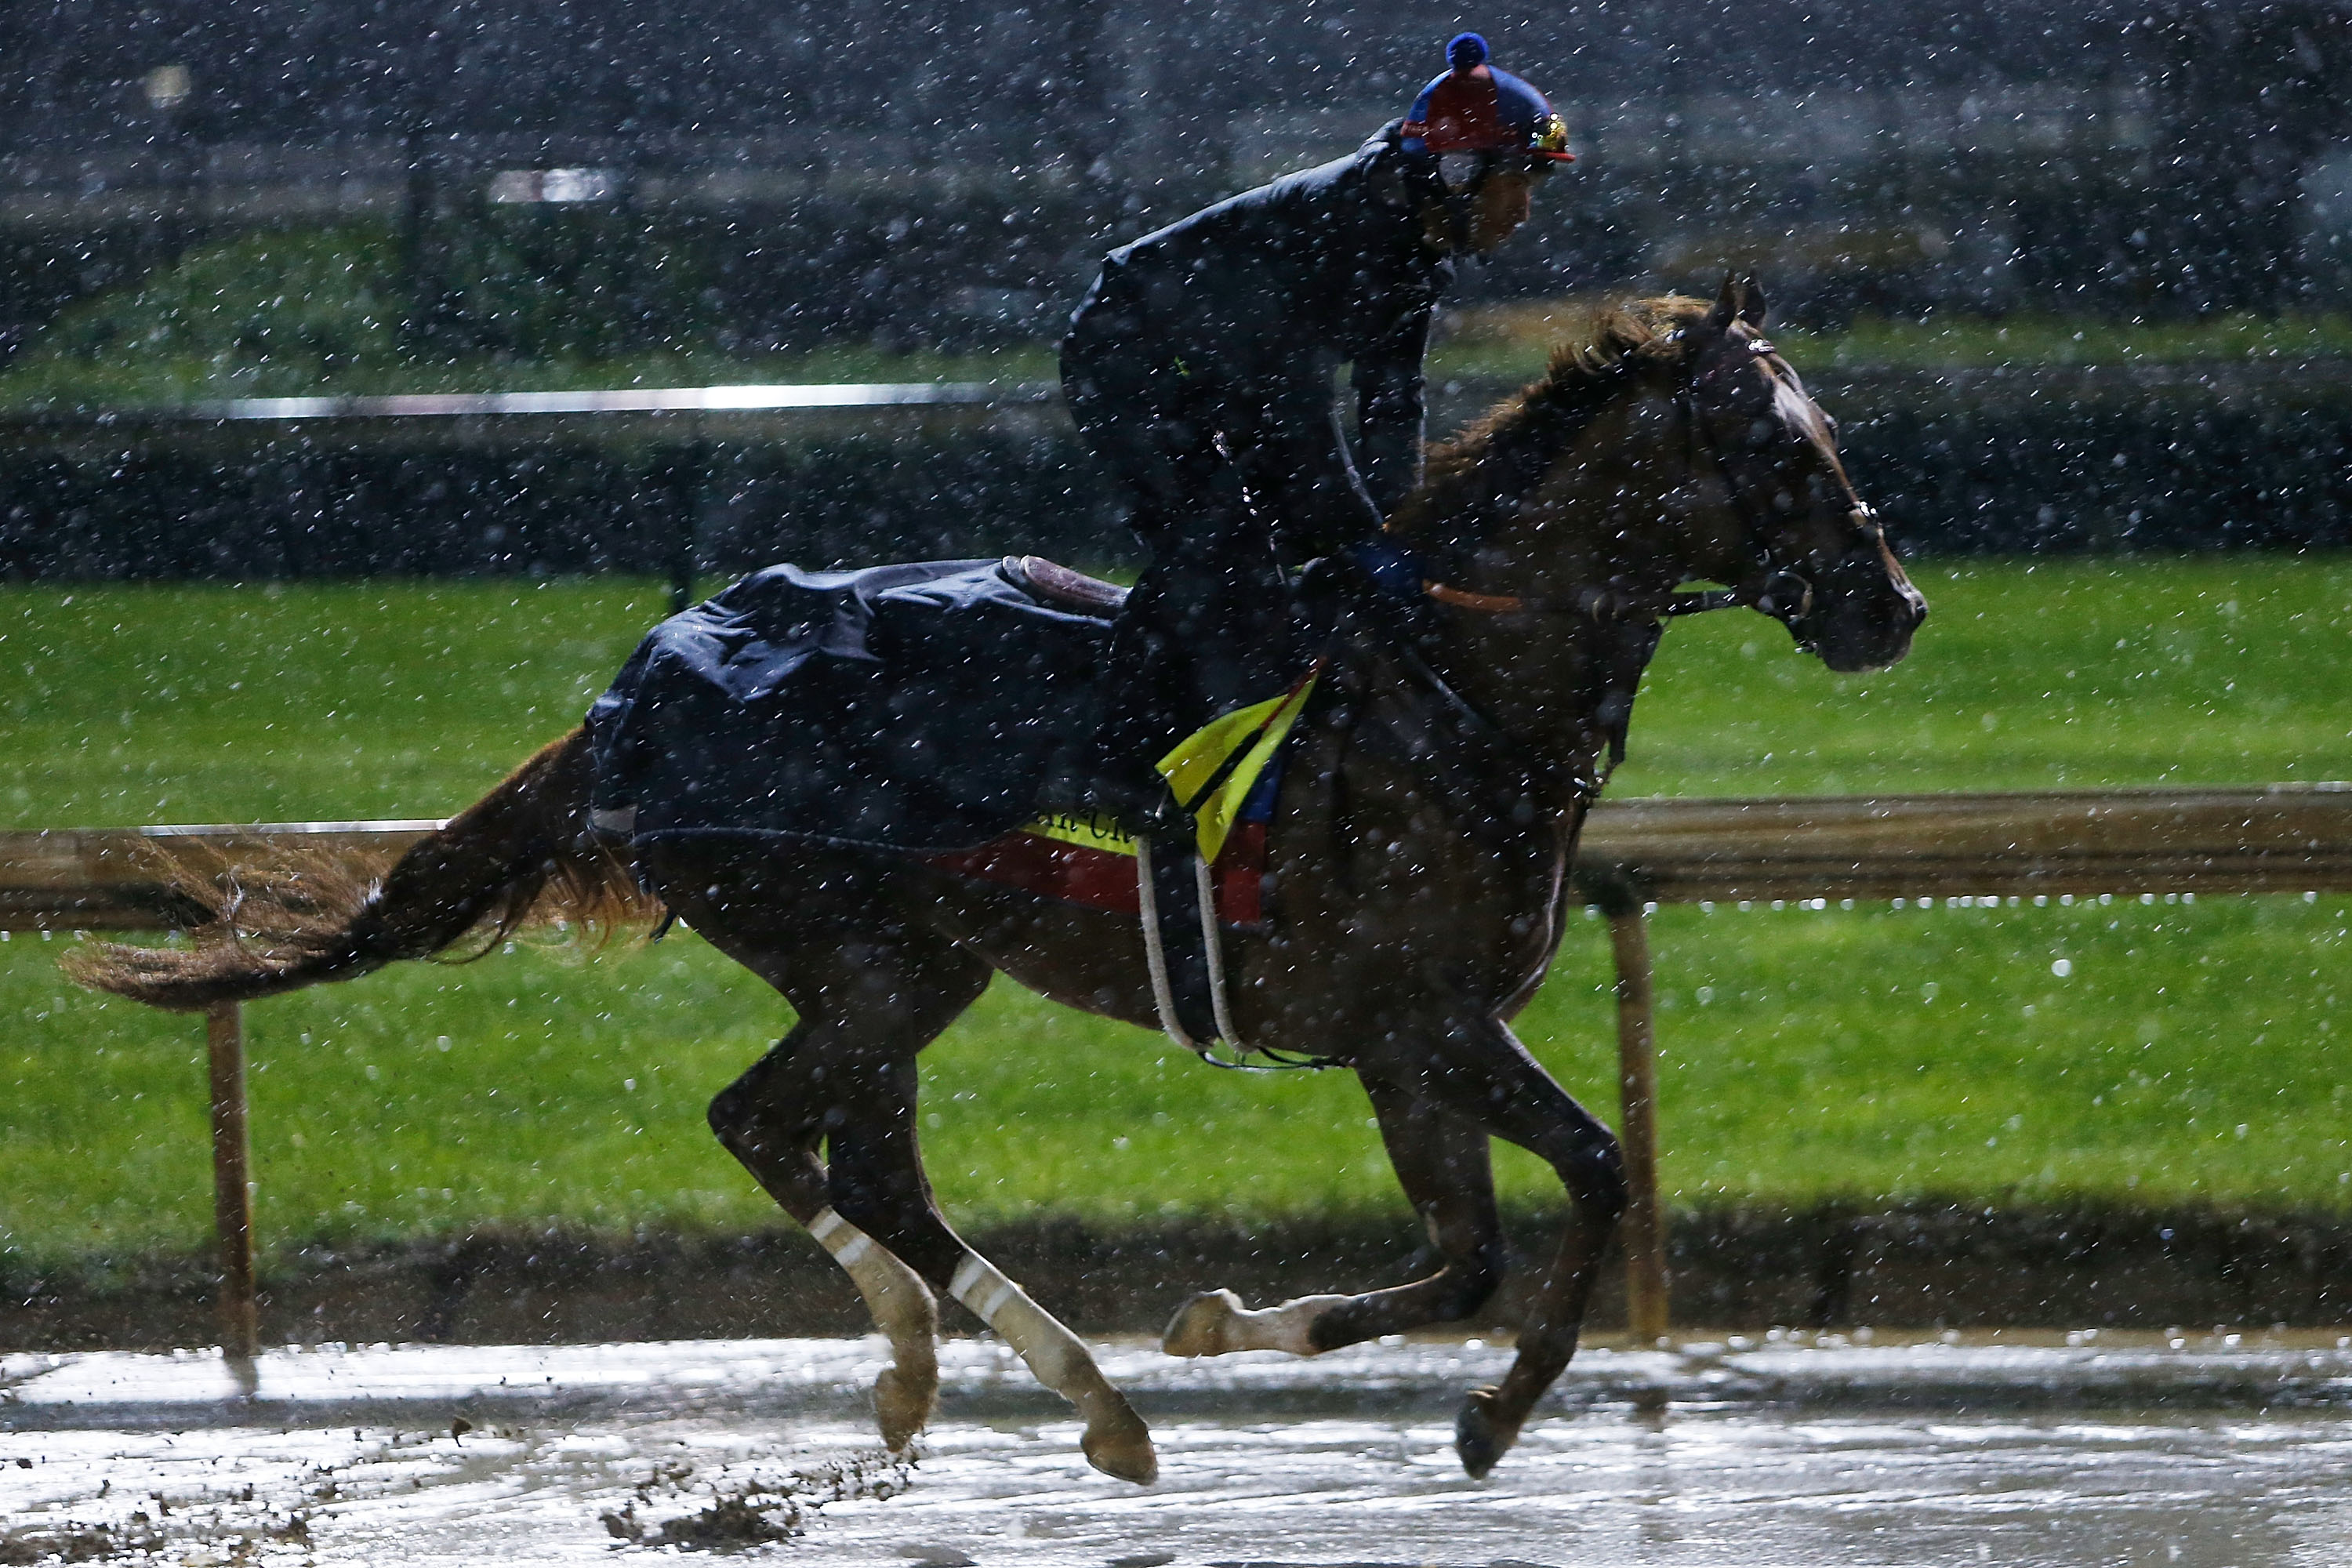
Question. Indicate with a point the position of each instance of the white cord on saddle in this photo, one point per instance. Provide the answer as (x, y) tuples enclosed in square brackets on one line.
[(1155, 957), (1213, 942)]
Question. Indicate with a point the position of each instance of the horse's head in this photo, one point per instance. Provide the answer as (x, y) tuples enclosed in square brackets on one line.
[(1769, 508)]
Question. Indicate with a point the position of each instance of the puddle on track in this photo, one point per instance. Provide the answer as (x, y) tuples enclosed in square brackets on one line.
[(1703, 1482)]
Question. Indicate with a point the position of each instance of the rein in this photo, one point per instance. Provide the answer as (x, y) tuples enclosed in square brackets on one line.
[(1599, 604)]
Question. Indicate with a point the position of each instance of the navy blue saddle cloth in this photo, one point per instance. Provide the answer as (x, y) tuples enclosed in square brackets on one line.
[(907, 707)]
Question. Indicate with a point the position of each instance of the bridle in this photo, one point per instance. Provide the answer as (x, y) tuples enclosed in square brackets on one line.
[(1627, 622), (1773, 588)]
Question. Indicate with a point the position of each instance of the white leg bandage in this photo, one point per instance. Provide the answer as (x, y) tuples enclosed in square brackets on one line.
[(906, 1315), (1216, 1323), (900, 1302), (837, 1235), (1057, 1355), (1117, 1441)]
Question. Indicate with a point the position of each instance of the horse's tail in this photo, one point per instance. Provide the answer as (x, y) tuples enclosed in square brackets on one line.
[(523, 852)]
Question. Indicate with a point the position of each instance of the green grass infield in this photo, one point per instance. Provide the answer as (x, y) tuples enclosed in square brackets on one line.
[(2123, 1052)]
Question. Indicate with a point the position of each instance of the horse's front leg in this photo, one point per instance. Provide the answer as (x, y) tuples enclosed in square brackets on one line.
[(1477, 1068), (1441, 1161)]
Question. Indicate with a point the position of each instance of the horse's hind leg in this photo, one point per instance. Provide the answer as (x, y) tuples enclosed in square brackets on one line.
[(1441, 1161), (877, 1182), (775, 1136), (871, 992)]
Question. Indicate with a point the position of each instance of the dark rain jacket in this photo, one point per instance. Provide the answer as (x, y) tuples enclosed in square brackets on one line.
[(1259, 299)]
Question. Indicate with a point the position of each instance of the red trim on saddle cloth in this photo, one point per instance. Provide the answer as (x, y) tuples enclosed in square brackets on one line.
[(1098, 880)]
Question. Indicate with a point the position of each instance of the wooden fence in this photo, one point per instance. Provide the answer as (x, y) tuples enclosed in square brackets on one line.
[(1636, 855)]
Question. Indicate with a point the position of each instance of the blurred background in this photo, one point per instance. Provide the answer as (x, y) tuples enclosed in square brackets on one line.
[(2058, 258), (2075, 281)]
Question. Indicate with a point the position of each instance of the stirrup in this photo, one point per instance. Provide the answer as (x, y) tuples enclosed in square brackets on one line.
[(1155, 957), (1163, 989)]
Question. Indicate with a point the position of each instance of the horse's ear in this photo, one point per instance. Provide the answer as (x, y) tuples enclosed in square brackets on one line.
[(1726, 305), (1752, 309)]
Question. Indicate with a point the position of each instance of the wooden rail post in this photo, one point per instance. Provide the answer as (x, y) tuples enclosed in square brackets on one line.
[(232, 1185), (1644, 1224)]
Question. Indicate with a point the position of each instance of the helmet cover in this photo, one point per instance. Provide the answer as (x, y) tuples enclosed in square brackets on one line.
[(1475, 107)]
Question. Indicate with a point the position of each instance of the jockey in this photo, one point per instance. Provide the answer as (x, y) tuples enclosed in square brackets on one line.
[(1201, 370)]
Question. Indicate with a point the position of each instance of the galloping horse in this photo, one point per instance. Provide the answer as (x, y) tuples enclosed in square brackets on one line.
[(1418, 855)]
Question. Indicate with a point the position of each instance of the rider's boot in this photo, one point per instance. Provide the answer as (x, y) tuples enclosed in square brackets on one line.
[(1108, 772), (1094, 777)]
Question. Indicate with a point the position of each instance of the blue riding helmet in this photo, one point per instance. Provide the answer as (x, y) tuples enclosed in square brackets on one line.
[(1478, 113)]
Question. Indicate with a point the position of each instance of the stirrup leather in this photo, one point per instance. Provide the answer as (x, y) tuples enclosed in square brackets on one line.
[(1155, 956)]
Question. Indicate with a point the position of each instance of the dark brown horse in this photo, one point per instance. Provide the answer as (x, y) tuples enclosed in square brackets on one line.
[(1419, 860)]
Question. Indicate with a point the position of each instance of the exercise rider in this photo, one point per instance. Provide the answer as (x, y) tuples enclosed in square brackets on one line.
[(1201, 370)]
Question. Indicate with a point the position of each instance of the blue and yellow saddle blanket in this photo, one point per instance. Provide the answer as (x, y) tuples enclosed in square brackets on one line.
[(1228, 772), (912, 707)]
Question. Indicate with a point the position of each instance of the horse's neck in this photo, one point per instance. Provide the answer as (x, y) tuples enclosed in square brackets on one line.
[(1595, 522)]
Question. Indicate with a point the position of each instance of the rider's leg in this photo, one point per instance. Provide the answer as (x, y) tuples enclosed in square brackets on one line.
[(1206, 620), (1215, 609)]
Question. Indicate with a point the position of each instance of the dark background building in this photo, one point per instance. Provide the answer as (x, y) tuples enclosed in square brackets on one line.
[(581, 178), (937, 172)]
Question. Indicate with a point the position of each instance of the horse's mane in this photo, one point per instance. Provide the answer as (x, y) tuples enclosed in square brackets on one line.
[(1476, 478)]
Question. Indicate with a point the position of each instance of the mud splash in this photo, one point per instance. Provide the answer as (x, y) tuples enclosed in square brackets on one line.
[(751, 1511)]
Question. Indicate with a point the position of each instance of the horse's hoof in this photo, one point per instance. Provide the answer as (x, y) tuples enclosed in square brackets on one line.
[(1122, 1449), (1203, 1326), (1478, 1439), (902, 1407)]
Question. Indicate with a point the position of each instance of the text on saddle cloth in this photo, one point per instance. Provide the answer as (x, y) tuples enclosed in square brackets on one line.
[(1227, 773), (1083, 860)]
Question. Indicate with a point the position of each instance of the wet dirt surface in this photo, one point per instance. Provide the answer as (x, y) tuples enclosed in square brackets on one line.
[(2158, 1451)]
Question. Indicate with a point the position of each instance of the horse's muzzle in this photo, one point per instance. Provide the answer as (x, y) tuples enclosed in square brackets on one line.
[(1862, 612)]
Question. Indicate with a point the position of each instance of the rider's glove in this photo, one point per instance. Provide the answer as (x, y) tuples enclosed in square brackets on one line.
[(1394, 569)]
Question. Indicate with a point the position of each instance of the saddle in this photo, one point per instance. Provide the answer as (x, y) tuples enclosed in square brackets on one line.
[(1050, 582), (916, 707)]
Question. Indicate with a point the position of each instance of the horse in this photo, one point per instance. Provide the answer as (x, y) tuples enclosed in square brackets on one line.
[(1417, 860)]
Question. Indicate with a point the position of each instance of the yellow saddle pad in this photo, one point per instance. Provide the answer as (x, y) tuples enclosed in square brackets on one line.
[(1211, 771)]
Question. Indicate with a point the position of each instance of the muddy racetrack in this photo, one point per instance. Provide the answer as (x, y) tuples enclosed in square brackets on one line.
[(1792, 1449)]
